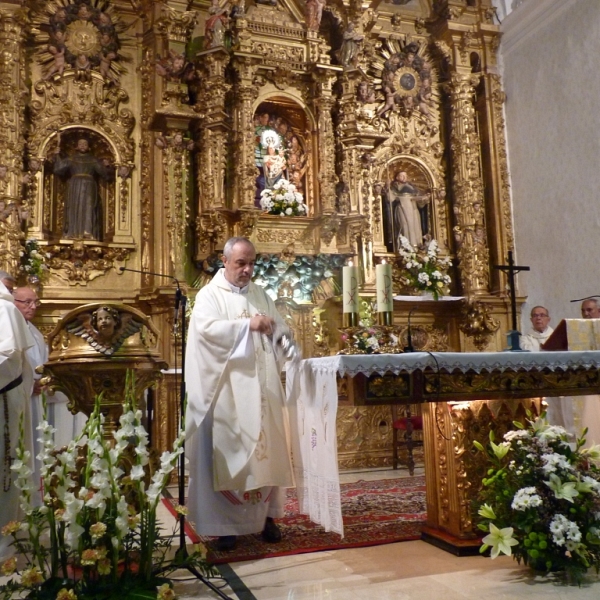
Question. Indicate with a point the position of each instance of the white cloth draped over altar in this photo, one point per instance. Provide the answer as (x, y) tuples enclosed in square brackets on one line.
[(313, 397)]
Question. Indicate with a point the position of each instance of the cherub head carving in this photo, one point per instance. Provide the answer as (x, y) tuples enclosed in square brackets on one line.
[(106, 320)]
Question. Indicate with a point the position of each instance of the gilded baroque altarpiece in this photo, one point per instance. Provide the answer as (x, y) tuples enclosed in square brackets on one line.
[(140, 134)]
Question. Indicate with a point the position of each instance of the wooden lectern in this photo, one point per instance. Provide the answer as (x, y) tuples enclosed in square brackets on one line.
[(575, 334)]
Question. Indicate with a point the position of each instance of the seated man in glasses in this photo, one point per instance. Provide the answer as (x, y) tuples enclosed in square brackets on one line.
[(26, 300)]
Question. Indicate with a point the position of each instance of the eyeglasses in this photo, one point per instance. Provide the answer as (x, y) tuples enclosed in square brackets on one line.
[(534, 315), (35, 303)]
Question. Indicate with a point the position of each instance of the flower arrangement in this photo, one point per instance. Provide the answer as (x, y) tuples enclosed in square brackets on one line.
[(95, 535), (283, 199), (540, 500), (33, 260), (366, 340), (424, 270)]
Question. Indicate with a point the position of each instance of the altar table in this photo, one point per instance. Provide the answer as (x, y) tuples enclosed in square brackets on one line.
[(500, 384)]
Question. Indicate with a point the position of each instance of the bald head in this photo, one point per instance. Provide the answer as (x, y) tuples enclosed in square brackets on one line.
[(26, 300), (590, 309), (8, 280)]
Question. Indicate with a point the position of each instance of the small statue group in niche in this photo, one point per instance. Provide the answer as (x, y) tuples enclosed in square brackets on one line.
[(279, 153), (82, 37), (406, 82), (82, 203), (405, 212), (105, 329)]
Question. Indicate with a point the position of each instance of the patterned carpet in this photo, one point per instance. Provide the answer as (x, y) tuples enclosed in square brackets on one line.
[(374, 512)]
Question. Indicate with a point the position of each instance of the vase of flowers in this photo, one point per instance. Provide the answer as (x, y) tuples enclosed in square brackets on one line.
[(33, 262), (540, 500), (283, 199), (96, 535), (424, 270)]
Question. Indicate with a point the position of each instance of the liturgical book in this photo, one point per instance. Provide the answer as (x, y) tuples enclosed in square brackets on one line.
[(575, 334)]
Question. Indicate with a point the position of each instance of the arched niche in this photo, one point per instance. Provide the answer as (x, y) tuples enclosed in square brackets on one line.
[(407, 197), (68, 173), (280, 121)]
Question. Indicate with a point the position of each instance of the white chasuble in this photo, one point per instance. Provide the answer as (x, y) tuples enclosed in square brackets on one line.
[(15, 339), (236, 419)]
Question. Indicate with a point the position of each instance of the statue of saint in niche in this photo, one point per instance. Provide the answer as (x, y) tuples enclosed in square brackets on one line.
[(83, 207), (105, 329), (405, 213)]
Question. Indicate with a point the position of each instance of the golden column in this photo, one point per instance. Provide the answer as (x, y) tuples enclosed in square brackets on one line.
[(470, 230), (12, 110), (246, 92)]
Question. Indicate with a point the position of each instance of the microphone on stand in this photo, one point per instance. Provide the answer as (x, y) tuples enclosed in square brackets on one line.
[(178, 294), (586, 298), (151, 273), (409, 345)]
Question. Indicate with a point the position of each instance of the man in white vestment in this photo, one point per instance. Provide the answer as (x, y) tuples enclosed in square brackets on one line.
[(540, 331), (236, 420), (26, 301), (67, 425), (560, 409), (588, 407), (16, 383)]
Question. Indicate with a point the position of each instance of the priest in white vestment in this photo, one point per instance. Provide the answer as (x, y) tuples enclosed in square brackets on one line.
[(587, 408), (236, 420), (16, 383), (560, 409)]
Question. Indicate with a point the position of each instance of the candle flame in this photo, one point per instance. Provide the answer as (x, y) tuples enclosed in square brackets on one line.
[(383, 261), (350, 263)]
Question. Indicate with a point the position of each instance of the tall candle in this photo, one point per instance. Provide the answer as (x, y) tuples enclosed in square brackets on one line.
[(383, 283), (350, 289)]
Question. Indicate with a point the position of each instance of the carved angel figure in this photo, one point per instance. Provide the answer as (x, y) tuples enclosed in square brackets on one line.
[(105, 329)]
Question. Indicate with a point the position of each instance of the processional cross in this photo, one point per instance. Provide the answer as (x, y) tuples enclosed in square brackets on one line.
[(511, 269)]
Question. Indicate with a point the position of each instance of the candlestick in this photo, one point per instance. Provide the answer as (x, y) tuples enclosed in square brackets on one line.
[(383, 282)]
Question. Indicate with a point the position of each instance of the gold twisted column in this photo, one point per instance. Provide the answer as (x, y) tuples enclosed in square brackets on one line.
[(246, 93), (470, 230), (12, 111)]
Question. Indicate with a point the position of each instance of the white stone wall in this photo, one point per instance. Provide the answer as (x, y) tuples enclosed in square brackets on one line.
[(551, 73)]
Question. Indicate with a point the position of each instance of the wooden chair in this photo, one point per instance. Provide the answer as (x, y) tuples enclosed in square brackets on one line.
[(403, 428)]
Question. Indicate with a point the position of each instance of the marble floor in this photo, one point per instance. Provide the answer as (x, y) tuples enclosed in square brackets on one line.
[(403, 571)]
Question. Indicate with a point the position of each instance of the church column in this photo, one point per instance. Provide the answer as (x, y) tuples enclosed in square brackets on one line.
[(470, 229), (246, 92), (212, 227), (323, 105), (491, 110), (12, 110)]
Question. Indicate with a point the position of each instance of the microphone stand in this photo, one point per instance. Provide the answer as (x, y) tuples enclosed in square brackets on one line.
[(182, 554), (409, 345)]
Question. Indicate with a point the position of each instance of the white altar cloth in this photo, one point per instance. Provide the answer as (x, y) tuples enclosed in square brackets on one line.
[(312, 400)]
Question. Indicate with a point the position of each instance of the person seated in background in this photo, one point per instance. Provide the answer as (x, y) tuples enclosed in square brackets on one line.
[(540, 331), (590, 309)]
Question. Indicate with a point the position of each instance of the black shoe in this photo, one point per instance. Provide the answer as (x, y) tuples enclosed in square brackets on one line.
[(271, 533), (226, 543)]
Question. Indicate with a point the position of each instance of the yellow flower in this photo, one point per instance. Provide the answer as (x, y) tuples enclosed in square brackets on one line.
[(9, 566), (165, 592), (97, 530), (66, 594), (11, 527), (89, 557), (31, 577), (182, 510), (104, 566)]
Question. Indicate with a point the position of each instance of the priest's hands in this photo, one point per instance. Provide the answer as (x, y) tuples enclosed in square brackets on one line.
[(262, 324)]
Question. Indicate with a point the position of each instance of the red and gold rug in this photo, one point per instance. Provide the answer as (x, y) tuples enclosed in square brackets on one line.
[(374, 512)]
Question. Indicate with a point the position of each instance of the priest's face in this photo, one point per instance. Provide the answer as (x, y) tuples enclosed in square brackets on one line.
[(239, 267), (540, 319), (590, 309)]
